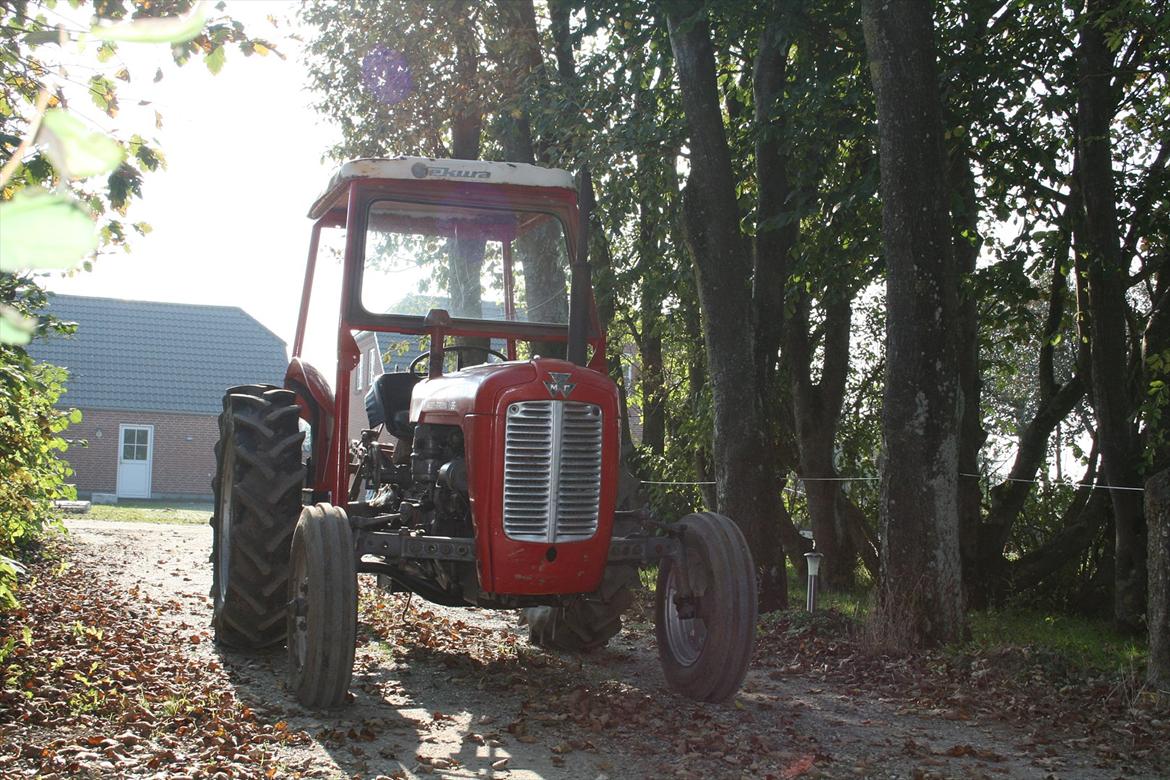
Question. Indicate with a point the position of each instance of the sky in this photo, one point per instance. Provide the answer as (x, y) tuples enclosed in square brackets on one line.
[(244, 162)]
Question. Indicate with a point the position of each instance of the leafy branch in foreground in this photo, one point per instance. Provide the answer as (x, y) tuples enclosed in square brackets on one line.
[(54, 230), (64, 187)]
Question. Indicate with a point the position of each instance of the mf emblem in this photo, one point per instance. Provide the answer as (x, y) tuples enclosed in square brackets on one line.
[(559, 385)]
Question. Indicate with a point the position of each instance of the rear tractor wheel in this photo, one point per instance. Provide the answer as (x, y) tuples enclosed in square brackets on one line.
[(587, 623), (705, 609), (257, 488), (322, 607)]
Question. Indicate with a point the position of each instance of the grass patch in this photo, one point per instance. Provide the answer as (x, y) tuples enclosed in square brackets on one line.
[(1088, 643), (854, 603), (150, 512)]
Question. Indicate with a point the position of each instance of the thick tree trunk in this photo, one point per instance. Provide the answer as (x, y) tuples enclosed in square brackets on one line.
[(773, 241), (652, 381), (745, 474), (521, 65), (1158, 514), (922, 600), (1107, 276), (696, 382)]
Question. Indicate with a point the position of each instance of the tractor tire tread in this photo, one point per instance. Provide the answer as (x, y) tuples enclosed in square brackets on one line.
[(259, 424), (324, 541), (585, 624)]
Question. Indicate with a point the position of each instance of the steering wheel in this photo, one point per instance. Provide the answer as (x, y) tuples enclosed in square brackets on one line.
[(416, 365)]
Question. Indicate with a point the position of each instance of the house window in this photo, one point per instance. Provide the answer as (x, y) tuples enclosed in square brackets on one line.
[(361, 372), (135, 443), (375, 364)]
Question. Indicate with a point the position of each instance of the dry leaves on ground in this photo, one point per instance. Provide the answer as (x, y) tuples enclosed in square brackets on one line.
[(93, 685), (1054, 702)]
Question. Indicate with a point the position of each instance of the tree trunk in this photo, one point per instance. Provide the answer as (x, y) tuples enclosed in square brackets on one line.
[(1158, 515), (1009, 497), (652, 379), (1080, 526), (1107, 276), (990, 569), (520, 60), (696, 382), (466, 254), (922, 595), (745, 475), (1070, 542), (965, 232), (775, 237), (818, 411)]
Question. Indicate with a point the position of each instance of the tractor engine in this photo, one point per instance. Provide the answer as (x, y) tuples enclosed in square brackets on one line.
[(509, 455), (438, 473), (424, 484)]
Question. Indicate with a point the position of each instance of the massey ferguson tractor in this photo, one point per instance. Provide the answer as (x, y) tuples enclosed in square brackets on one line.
[(488, 472)]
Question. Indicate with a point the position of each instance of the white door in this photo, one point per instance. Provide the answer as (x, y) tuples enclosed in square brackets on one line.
[(135, 454)]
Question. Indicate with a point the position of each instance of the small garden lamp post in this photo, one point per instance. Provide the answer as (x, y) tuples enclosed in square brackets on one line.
[(814, 569)]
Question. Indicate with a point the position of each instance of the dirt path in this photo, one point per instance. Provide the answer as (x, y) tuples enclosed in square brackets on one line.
[(457, 693)]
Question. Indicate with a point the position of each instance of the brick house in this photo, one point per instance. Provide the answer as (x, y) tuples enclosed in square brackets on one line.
[(148, 378)]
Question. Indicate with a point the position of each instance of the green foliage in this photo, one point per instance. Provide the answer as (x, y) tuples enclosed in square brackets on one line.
[(45, 230), (1009, 79), (64, 190), (407, 39), (60, 231), (32, 474), (1155, 407)]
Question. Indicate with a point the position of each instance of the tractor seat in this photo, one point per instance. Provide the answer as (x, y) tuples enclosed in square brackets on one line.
[(389, 402)]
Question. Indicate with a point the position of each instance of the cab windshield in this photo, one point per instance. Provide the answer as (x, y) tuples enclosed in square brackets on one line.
[(476, 263)]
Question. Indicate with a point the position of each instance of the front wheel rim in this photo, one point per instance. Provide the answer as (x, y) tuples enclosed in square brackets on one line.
[(686, 637), (298, 628)]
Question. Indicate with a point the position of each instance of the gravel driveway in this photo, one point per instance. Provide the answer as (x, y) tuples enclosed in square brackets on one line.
[(457, 693)]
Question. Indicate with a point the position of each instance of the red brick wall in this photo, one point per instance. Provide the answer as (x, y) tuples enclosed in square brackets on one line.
[(183, 461)]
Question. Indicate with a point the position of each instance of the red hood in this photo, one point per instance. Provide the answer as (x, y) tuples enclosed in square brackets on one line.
[(476, 390)]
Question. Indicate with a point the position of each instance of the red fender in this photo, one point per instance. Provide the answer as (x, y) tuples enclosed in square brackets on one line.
[(316, 402)]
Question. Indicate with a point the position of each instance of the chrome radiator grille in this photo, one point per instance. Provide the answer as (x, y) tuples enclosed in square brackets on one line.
[(552, 471)]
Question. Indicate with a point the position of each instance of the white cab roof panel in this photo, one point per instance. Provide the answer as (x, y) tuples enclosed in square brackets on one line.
[(412, 168)]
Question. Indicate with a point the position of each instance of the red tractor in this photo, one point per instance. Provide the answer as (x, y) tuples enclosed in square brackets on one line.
[(488, 473)]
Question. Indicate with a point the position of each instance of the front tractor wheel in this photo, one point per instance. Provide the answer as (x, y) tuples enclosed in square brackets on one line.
[(705, 610), (322, 607), (257, 488)]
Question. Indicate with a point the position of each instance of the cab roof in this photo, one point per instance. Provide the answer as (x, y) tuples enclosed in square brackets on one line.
[(414, 168)]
